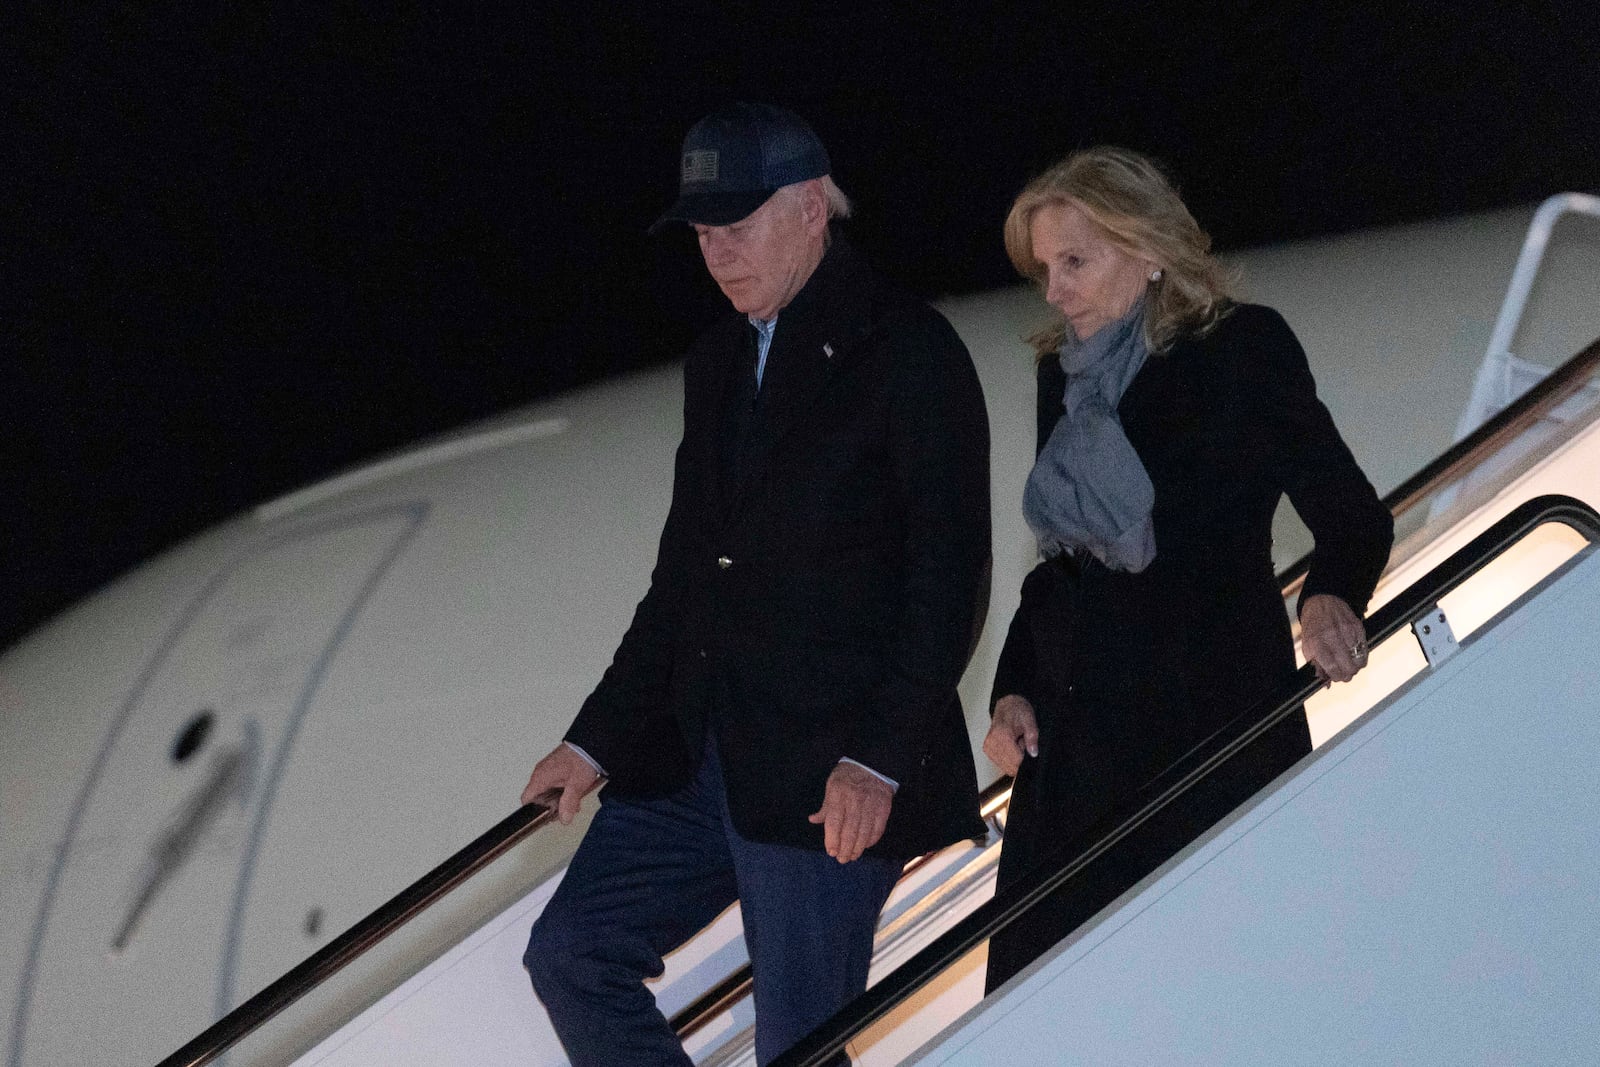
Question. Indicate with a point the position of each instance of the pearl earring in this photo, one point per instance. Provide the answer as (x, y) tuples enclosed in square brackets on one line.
[(1155, 275)]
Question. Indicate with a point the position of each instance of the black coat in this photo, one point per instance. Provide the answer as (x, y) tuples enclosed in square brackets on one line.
[(822, 572), (1127, 672)]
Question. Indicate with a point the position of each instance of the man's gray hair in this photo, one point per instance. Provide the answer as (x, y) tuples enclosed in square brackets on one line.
[(839, 206)]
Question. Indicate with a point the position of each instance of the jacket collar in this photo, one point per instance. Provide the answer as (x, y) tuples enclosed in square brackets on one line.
[(822, 326), (819, 333)]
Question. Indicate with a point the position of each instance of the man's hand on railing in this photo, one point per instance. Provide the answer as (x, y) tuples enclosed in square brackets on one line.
[(565, 771)]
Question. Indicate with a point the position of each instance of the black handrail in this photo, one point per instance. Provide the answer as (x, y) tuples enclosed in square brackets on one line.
[(326, 961), (1473, 449), (1076, 860)]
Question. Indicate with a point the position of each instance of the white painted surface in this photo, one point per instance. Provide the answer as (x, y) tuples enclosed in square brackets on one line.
[(1421, 891)]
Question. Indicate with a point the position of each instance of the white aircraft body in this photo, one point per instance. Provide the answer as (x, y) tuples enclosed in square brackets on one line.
[(229, 755)]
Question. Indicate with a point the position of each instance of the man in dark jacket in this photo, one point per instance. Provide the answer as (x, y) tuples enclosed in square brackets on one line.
[(780, 723)]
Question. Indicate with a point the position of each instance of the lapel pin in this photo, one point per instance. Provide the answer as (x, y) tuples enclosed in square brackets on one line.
[(827, 350)]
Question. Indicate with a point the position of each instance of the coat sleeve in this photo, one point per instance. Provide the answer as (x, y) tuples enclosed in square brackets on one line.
[(1017, 672), (1352, 529), (624, 720), (938, 445)]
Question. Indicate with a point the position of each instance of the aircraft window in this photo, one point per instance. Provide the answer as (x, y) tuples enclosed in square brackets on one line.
[(193, 736)]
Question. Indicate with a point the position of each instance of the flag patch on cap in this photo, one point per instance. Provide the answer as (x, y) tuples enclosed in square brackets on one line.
[(700, 166)]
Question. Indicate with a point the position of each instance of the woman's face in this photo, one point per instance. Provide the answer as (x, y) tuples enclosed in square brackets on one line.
[(1087, 278)]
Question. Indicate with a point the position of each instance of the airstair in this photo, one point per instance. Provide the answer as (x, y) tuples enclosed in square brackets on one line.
[(1419, 888)]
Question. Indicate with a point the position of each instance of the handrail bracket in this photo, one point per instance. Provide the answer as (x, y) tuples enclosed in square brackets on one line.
[(1433, 633)]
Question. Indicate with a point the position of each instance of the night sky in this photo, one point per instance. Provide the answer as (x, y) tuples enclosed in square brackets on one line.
[(255, 247)]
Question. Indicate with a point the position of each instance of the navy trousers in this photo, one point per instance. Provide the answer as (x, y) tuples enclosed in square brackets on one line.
[(651, 874)]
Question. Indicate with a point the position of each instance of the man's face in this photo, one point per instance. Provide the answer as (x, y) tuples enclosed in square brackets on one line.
[(762, 260)]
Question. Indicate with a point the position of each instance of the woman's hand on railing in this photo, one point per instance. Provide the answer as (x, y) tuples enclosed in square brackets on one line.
[(1332, 638), (1013, 733), (566, 772)]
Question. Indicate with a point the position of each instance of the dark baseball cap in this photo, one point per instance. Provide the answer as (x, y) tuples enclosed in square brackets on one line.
[(734, 159)]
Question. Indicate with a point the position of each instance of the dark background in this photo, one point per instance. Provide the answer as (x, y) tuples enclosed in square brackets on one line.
[(253, 247)]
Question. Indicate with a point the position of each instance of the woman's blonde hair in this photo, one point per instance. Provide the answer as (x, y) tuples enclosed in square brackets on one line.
[(1131, 200)]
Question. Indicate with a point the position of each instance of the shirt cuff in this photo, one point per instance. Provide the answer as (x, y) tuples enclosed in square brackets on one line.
[(884, 778), (601, 771)]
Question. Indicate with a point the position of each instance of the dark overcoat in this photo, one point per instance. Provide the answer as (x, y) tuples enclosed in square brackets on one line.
[(822, 572), (1127, 672)]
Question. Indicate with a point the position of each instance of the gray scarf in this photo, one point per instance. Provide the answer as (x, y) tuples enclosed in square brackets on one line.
[(1088, 489)]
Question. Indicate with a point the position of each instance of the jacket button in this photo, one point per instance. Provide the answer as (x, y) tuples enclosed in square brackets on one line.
[(724, 562)]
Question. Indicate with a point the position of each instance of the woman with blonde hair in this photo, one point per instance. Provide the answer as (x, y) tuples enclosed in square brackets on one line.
[(1171, 420)]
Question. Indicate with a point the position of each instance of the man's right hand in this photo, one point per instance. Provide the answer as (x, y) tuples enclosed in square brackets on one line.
[(567, 771), (1014, 730)]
